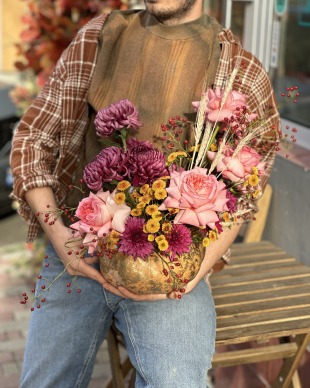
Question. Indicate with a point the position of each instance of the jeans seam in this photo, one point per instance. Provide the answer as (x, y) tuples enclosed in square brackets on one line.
[(110, 305), (131, 337), (90, 352)]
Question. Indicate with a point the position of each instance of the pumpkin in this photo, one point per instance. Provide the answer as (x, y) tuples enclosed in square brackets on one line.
[(146, 276)]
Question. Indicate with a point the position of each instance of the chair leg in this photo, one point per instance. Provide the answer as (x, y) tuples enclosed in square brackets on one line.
[(117, 374), (133, 379), (290, 365)]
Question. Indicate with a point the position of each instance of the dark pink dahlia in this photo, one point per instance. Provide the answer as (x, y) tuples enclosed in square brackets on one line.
[(179, 240), (134, 241), (121, 114), (146, 165), (111, 163), (231, 204)]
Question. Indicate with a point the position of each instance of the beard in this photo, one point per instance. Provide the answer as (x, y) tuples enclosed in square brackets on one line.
[(167, 12)]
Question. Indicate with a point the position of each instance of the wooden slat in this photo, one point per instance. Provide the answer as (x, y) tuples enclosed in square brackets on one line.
[(272, 330), (251, 298), (248, 260), (261, 287), (260, 244), (240, 281), (248, 356), (256, 269), (249, 254), (284, 304)]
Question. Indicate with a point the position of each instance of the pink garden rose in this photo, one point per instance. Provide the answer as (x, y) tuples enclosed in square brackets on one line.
[(100, 212), (239, 166), (233, 101), (198, 196)]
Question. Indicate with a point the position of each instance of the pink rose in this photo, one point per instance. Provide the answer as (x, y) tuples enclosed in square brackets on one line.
[(100, 212), (198, 196), (233, 101), (236, 168), (250, 158)]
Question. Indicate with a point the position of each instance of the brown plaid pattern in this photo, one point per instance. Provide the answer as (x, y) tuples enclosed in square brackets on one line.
[(48, 139)]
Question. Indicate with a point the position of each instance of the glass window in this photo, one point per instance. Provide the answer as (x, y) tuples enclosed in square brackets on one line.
[(294, 60)]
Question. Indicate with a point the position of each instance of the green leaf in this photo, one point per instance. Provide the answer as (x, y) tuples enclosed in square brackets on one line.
[(110, 143)]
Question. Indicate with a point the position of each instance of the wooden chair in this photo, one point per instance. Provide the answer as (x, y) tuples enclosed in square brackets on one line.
[(264, 293)]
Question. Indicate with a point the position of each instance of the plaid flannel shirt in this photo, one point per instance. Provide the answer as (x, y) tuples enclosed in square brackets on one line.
[(48, 139)]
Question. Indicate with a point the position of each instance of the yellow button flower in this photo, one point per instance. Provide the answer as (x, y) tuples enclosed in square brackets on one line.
[(120, 198), (172, 157), (136, 212), (256, 193), (212, 235), (160, 194), (255, 170), (151, 209), (193, 148), (152, 226), (163, 245), (226, 217), (123, 185), (253, 180), (160, 238), (158, 185), (214, 147), (166, 227), (144, 188), (141, 205), (114, 236), (150, 237), (173, 210), (205, 242), (157, 216)]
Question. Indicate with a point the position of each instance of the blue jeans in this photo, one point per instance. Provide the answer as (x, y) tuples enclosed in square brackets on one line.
[(170, 343)]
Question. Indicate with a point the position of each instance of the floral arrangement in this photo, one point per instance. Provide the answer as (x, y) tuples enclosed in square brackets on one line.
[(51, 25), (142, 203)]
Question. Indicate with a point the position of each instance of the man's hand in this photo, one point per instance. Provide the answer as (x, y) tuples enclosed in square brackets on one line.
[(124, 293)]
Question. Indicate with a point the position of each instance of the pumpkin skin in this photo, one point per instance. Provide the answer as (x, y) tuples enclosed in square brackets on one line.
[(146, 276)]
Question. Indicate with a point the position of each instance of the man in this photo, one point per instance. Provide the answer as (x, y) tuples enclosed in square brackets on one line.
[(158, 59)]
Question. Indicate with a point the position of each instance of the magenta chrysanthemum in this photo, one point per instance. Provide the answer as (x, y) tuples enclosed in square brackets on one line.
[(231, 204), (179, 240), (133, 142), (134, 241), (111, 163), (121, 114), (146, 165)]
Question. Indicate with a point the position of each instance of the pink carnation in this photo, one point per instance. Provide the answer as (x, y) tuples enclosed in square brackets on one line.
[(198, 195), (100, 213), (134, 242), (233, 101)]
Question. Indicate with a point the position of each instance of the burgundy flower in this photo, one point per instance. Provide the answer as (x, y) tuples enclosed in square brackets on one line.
[(219, 227), (111, 163), (231, 204), (132, 142), (179, 240), (121, 114), (146, 165), (134, 241)]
